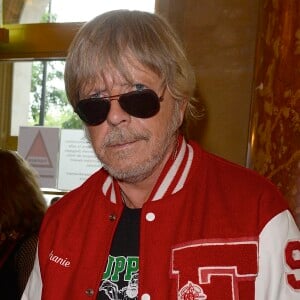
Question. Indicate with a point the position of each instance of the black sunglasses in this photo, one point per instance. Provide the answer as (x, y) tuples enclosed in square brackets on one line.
[(141, 104)]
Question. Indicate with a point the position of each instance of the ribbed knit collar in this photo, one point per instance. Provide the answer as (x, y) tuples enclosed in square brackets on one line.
[(171, 179)]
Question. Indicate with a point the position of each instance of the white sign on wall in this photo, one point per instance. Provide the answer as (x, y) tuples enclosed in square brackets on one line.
[(77, 159), (63, 158)]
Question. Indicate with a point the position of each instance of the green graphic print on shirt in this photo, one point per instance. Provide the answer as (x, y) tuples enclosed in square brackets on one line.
[(120, 280)]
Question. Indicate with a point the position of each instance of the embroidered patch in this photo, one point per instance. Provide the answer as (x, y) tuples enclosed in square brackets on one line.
[(215, 269), (191, 291)]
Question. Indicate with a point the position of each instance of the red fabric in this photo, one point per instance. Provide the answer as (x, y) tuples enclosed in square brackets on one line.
[(215, 204)]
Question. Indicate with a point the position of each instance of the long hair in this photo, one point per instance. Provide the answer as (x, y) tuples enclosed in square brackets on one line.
[(22, 205), (109, 39)]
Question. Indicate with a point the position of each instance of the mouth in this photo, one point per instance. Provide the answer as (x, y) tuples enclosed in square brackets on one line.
[(122, 143)]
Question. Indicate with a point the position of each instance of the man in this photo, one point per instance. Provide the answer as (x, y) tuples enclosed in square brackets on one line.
[(163, 219)]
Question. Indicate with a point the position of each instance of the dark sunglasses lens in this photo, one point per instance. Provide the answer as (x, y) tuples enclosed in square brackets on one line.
[(140, 104), (93, 111)]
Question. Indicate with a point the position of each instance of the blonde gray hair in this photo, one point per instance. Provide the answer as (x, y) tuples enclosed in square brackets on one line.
[(103, 42)]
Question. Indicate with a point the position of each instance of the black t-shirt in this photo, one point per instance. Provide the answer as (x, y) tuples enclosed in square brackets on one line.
[(120, 279)]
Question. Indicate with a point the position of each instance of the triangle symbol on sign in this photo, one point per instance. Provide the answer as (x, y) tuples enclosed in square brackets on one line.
[(38, 155)]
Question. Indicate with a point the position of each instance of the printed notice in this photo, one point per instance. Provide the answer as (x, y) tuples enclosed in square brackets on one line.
[(77, 159)]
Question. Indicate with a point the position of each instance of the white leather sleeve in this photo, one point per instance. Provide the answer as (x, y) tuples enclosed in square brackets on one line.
[(271, 282), (33, 289)]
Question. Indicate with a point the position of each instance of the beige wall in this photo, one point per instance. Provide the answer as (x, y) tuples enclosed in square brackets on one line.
[(219, 36)]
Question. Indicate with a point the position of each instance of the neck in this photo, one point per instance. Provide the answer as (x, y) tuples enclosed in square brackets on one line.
[(138, 199), (134, 195)]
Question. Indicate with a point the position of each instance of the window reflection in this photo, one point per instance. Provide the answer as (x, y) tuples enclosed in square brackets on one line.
[(40, 11), (39, 98), (82, 11)]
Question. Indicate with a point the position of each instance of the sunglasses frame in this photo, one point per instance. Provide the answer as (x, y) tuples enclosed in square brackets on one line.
[(106, 102)]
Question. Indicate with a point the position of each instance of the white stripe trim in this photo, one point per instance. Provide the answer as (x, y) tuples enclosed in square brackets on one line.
[(107, 184), (113, 197), (171, 174), (186, 170)]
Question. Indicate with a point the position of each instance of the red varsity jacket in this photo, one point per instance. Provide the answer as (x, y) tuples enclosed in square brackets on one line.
[(210, 230)]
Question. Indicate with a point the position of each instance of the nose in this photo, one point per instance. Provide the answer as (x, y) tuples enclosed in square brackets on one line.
[(116, 114)]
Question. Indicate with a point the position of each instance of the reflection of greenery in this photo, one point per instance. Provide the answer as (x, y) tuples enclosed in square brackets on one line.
[(72, 122), (48, 17), (58, 111)]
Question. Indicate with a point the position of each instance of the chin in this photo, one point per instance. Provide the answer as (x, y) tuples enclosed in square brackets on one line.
[(130, 174)]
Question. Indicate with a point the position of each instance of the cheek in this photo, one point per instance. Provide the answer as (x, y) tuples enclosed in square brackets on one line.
[(96, 134), (155, 126), (170, 118)]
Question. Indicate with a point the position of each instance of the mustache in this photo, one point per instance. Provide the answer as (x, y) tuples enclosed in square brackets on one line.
[(119, 136)]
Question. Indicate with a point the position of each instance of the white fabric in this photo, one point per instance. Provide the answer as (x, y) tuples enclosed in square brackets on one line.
[(271, 283), (33, 290)]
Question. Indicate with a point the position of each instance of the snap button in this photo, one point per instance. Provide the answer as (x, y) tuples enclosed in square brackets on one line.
[(150, 216), (145, 297), (89, 292), (112, 217)]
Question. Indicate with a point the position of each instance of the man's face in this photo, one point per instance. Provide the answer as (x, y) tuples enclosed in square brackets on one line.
[(132, 148)]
